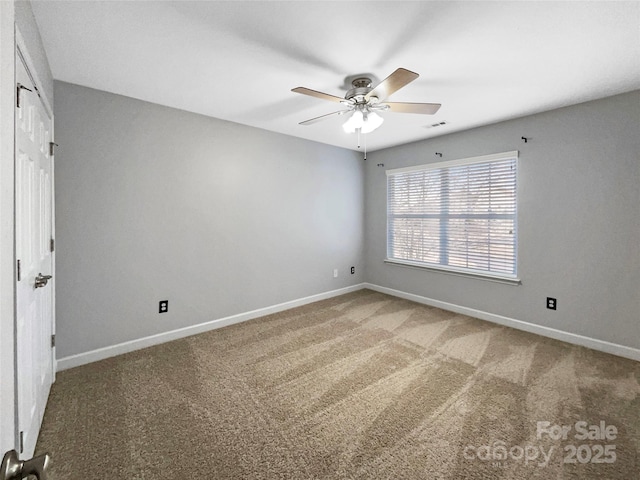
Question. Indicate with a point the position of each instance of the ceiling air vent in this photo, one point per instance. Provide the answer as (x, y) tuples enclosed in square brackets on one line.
[(439, 124)]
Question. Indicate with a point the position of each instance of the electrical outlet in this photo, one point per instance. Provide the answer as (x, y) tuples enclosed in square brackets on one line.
[(552, 303), (335, 273), (353, 270), (164, 306)]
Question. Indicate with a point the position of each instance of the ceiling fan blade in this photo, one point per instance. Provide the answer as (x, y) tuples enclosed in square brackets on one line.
[(423, 108), (314, 93), (392, 83), (323, 117)]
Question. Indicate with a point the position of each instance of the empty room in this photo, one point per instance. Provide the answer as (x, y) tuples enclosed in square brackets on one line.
[(319, 239)]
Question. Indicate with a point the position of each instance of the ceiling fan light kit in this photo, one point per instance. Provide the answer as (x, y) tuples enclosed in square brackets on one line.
[(365, 120), (355, 121), (371, 121), (364, 101)]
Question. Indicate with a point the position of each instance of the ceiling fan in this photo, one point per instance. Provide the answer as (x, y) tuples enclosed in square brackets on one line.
[(363, 102)]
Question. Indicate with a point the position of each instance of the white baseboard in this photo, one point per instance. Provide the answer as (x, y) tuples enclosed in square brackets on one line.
[(593, 343), (113, 350)]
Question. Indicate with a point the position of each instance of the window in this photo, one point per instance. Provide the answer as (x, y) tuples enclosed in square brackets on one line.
[(458, 216)]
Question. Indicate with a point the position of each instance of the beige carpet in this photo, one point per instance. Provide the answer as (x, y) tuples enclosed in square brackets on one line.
[(362, 386)]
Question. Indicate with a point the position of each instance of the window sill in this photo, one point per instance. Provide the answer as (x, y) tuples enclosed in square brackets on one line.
[(459, 273)]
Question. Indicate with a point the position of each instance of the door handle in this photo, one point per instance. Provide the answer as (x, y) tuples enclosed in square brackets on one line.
[(15, 469), (41, 281)]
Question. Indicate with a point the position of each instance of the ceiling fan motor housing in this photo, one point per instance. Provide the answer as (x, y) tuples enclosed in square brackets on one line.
[(361, 86)]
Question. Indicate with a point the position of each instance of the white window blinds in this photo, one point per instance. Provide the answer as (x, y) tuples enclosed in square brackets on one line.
[(458, 215)]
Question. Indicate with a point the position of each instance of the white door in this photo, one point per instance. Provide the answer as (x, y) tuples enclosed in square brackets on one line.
[(34, 295)]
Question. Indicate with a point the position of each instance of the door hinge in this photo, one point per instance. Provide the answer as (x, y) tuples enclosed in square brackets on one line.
[(21, 442), (52, 245), (18, 88), (18, 271), (52, 146), (53, 341)]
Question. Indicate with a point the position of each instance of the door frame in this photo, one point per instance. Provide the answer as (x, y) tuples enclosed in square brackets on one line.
[(7, 227)]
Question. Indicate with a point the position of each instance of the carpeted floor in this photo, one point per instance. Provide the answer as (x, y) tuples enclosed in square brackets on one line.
[(362, 386)]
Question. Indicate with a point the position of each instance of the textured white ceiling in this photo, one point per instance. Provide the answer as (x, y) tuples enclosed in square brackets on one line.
[(238, 60)]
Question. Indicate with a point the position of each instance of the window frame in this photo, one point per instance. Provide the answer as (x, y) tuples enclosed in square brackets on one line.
[(508, 278)]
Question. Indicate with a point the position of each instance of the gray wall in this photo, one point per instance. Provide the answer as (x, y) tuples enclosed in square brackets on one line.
[(154, 203), (578, 219)]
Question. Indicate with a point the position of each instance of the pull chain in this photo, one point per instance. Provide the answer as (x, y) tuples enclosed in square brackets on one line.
[(365, 146)]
